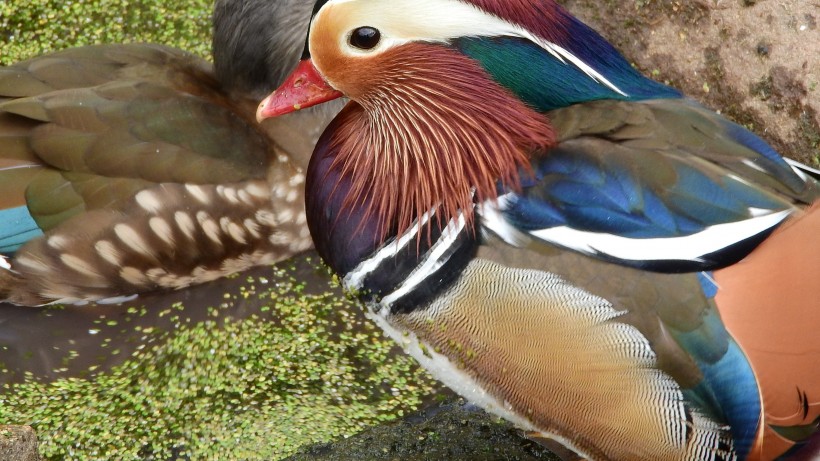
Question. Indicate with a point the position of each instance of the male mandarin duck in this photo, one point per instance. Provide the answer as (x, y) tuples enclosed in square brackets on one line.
[(131, 168), (576, 248)]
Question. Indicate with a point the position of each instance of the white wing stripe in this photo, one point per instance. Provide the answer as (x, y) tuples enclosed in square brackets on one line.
[(686, 248)]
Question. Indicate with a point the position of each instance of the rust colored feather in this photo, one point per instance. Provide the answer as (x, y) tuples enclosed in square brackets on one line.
[(432, 130), (769, 303)]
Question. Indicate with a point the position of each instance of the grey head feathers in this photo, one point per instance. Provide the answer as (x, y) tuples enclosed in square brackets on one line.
[(256, 43)]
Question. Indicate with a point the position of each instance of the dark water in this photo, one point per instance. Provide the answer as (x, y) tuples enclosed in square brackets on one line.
[(78, 341), (175, 381)]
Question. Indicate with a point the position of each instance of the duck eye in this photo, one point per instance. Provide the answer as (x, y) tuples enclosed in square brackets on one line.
[(365, 38)]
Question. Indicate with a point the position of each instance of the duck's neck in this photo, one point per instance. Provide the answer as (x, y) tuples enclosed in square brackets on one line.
[(402, 269)]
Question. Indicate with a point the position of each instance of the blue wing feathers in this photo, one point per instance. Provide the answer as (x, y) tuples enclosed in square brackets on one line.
[(707, 284), (728, 392), (663, 217), (750, 196), (530, 215), (571, 189), (769, 160), (698, 196)]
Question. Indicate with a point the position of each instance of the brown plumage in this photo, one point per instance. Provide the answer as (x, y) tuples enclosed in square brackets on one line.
[(142, 165)]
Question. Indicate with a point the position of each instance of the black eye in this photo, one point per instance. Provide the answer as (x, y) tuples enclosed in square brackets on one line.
[(365, 38)]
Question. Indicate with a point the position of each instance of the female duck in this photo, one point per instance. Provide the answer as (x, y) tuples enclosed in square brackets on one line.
[(132, 168)]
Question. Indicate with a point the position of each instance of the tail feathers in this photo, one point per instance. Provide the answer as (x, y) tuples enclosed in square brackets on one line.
[(769, 303)]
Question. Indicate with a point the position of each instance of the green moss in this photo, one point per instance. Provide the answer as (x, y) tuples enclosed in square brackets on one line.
[(32, 27), (233, 389)]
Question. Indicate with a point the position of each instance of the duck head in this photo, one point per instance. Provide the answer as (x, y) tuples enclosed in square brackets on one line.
[(428, 126), (256, 44)]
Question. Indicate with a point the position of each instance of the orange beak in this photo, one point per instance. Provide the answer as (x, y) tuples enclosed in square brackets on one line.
[(303, 88)]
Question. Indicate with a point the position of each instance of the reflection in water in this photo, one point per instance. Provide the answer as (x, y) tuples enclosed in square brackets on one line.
[(266, 361)]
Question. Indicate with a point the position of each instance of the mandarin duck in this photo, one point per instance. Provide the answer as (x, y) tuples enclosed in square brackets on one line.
[(131, 168), (561, 240)]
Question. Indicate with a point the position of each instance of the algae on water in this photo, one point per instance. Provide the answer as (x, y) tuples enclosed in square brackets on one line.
[(302, 367)]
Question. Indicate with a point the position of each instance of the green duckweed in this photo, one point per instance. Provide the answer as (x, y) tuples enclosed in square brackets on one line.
[(306, 368), (250, 388), (32, 27)]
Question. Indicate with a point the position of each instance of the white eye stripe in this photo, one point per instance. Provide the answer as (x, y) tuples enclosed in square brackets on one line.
[(403, 21), (435, 21)]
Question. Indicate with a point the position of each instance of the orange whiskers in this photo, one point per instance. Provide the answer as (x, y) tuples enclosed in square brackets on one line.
[(433, 130)]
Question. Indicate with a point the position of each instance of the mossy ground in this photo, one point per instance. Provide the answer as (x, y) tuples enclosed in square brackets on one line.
[(33, 27), (302, 368), (451, 431), (719, 52)]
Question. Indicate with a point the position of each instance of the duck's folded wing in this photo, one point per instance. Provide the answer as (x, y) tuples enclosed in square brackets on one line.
[(88, 128), (662, 185), (89, 66), (125, 168)]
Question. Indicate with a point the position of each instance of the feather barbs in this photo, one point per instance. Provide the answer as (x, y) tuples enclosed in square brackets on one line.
[(428, 128)]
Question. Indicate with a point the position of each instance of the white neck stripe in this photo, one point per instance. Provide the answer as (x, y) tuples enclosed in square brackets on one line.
[(431, 263), (354, 279)]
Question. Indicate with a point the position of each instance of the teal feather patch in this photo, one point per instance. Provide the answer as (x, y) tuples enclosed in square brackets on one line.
[(545, 82), (16, 228)]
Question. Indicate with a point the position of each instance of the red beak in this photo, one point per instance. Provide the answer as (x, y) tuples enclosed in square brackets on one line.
[(303, 88)]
